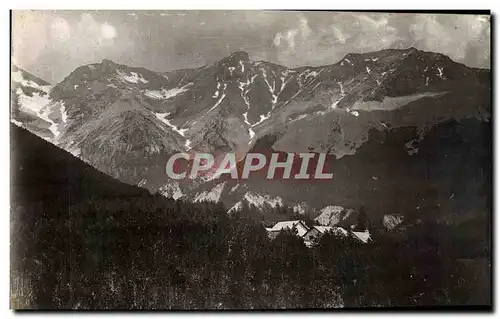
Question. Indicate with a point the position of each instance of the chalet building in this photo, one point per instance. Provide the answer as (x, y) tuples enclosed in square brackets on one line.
[(298, 225), (311, 233), (318, 231)]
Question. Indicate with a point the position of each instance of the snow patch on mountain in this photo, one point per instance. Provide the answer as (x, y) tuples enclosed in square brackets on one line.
[(244, 88), (345, 60), (165, 94), (75, 151), (236, 207), (352, 112), (251, 133), (311, 74), (391, 221), (259, 200), (17, 77), (262, 119), (331, 215), (32, 104), (440, 73), (187, 144), (162, 117), (153, 148), (220, 99), (342, 92), (64, 115), (333, 106), (213, 195), (16, 122), (235, 187), (134, 77), (37, 104), (283, 84), (300, 208), (272, 88), (216, 94), (391, 103), (171, 189), (298, 118), (245, 118), (53, 126)]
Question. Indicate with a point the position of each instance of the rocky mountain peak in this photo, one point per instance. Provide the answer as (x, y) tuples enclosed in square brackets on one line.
[(235, 62), (238, 56), (108, 66)]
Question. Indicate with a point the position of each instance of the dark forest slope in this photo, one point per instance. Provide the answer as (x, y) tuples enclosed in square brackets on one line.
[(81, 240)]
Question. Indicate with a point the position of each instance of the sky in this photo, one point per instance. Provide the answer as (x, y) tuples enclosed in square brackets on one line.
[(51, 44)]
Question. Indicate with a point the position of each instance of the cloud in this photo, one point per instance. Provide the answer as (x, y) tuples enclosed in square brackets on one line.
[(60, 30), (300, 33), (305, 30), (52, 44), (96, 32), (465, 38), (452, 35), (277, 39), (343, 33), (338, 34), (108, 31), (29, 39), (290, 38)]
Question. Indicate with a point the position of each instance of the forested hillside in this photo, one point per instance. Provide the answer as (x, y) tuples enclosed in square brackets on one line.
[(81, 240)]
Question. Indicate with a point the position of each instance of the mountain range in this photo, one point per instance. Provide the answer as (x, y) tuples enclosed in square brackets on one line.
[(405, 130)]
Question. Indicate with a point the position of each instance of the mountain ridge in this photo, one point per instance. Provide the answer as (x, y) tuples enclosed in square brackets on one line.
[(126, 121)]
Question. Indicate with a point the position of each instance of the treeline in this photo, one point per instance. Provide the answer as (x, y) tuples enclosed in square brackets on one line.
[(154, 253), (268, 215)]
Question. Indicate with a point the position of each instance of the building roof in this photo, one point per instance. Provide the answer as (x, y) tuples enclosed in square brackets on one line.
[(323, 229), (364, 236), (312, 229), (290, 225), (335, 230), (286, 224)]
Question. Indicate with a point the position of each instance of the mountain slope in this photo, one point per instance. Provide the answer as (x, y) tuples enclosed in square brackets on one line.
[(73, 229), (127, 121), (49, 189), (41, 172), (445, 178), (29, 94)]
